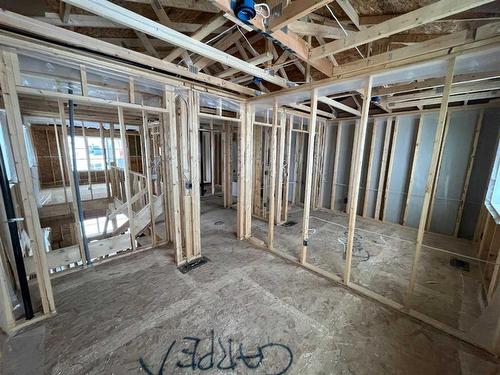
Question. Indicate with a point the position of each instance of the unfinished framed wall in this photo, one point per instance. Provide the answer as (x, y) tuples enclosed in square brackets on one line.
[(146, 191), (384, 180)]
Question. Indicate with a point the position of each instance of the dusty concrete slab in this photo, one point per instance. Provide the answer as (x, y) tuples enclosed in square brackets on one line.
[(139, 314)]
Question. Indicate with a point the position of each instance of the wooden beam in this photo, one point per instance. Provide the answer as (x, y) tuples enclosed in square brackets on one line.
[(260, 59), (71, 38), (338, 105), (95, 22), (464, 88), (147, 44), (222, 44), (421, 16), (200, 34), (137, 22), (295, 10), (309, 176), (316, 30), (452, 99), (27, 91), (290, 40), (349, 11), (438, 140), (435, 82), (64, 11), (192, 5)]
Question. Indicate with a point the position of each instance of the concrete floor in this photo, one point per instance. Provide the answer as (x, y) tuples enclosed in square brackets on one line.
[(383, 256), (273, 314)]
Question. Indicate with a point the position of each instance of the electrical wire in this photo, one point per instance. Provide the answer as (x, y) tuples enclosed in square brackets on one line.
[(207, 42), (258, 10), (342, 27), (243, 34)]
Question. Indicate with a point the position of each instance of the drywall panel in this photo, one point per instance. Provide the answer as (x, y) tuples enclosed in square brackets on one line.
[(452, 171), (328, 163), (344, 167), (377, 141), (400, 165), (485, 155), (421, 168)]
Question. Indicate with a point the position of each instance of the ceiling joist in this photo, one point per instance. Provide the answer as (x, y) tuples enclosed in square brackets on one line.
[(421, 16), (140, 23)]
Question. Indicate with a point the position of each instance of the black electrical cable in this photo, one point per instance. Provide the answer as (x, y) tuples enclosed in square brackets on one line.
[(14, 238)]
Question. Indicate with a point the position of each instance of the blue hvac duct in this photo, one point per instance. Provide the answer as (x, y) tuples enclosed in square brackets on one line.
[(244, 9)]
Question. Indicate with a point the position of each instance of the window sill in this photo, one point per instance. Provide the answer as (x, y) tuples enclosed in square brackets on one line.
[(493, 212)]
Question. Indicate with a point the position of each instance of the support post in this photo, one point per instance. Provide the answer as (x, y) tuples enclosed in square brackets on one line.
[(358, 163), (194, 156), (244, 219), (105, 157), (412, 170), (8, 69), (438, 139), (227, 136), (272, 177), (126, 173), (280, 168), (147, 171), (472, 158), (172, 170), (89, 173), (61, 165), (383, 164), (338, 144), (309, 175), (288, 154)]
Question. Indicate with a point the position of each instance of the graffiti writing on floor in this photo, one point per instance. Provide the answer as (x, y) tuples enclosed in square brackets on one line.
[(193, 354)]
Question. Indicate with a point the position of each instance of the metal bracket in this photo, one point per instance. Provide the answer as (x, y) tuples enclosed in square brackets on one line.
[(15, 219)]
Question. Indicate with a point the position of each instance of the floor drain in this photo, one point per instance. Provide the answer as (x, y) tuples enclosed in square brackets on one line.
[(460, 264), (186, 267), (289, 223), (218, 223)]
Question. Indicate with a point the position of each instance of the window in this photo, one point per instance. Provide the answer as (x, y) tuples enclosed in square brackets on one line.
[(493, 194), (95, 153), (6, 149)]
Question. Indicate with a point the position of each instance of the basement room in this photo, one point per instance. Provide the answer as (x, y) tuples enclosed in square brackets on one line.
[(215, 186)]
